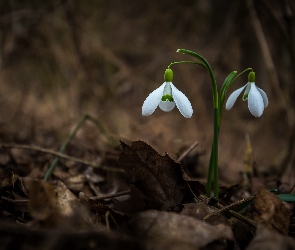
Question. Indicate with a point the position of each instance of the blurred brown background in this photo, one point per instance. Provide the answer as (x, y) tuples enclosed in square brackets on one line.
[(60, 59)]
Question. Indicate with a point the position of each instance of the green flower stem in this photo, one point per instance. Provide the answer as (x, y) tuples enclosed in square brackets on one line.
[(213, 165), (208, 67), (210, 173), (190, 62), (218, 103), (215, 153), (244, 71)]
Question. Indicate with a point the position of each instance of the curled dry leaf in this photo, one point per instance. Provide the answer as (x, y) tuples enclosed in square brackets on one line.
[(266, 239), (42, 199), (159, 178), (270, 211), (12, 181), (65, 199), (166, 230), (46, 199)]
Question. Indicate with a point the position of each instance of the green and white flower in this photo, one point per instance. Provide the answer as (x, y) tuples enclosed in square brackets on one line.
[(257, 98), (166, 97)]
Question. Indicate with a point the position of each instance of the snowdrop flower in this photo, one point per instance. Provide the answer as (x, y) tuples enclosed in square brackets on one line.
[(257, 98), (166, 96)]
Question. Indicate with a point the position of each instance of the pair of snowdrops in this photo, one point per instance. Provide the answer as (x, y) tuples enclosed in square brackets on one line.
[(167, 96)]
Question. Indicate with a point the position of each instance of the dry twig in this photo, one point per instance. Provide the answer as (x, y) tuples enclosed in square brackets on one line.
[(61, 155), (195, 144)]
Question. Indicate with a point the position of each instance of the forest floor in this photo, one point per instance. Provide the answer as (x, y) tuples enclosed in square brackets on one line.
[(113, 179), (128, 196)]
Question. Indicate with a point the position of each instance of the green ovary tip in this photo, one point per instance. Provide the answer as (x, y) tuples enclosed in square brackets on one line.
[(168, 76), (251, 77)]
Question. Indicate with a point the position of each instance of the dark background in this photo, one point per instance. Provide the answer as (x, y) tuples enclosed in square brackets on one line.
[(61, 59)]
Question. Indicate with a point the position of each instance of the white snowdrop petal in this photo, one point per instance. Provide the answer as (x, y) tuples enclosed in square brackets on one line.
[(182, 102), (233, 97), (166, 106), (264, 97), (255, 101), (152, 101)]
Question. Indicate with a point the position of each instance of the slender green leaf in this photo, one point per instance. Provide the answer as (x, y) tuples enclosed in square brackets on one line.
[(287, 197)]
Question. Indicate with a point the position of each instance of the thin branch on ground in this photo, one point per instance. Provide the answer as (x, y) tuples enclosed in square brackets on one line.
[(109, 196), (229, 207), (14, 201), (233, 213), (71, 136), (60, 155), (185, 153)]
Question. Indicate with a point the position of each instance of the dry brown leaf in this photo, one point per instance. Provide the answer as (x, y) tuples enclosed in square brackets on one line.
[(42, 198), (266, 239), (270, 211), (76, 182), (165, 230), (158, 177), (65, 199), (13, 236), (103, 212), (46, 198), (14, 181), (14, 198)]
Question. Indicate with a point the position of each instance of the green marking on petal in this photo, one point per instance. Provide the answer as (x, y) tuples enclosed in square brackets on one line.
[(247, 90), (245, 97), (167, 98)]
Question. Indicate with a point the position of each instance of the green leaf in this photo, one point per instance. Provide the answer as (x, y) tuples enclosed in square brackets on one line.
[(189, 62), (287, 197), (227, 82), (195, 55)]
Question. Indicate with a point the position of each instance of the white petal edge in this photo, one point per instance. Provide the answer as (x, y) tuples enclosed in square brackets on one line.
[(233, 97), (264, 97), (255, 101), (152, 101), (182, 102), (166, 106)]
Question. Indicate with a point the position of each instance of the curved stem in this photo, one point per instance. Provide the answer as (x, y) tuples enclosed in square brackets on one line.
[(244, 71), (213, 165), (208, 67), (191, 62)]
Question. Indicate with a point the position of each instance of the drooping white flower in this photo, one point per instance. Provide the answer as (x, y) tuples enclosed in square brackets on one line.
[(257, 98), (166, 96)]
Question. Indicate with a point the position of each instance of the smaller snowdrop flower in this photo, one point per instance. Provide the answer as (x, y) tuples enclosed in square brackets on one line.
[(166, 96), (257, 98)]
